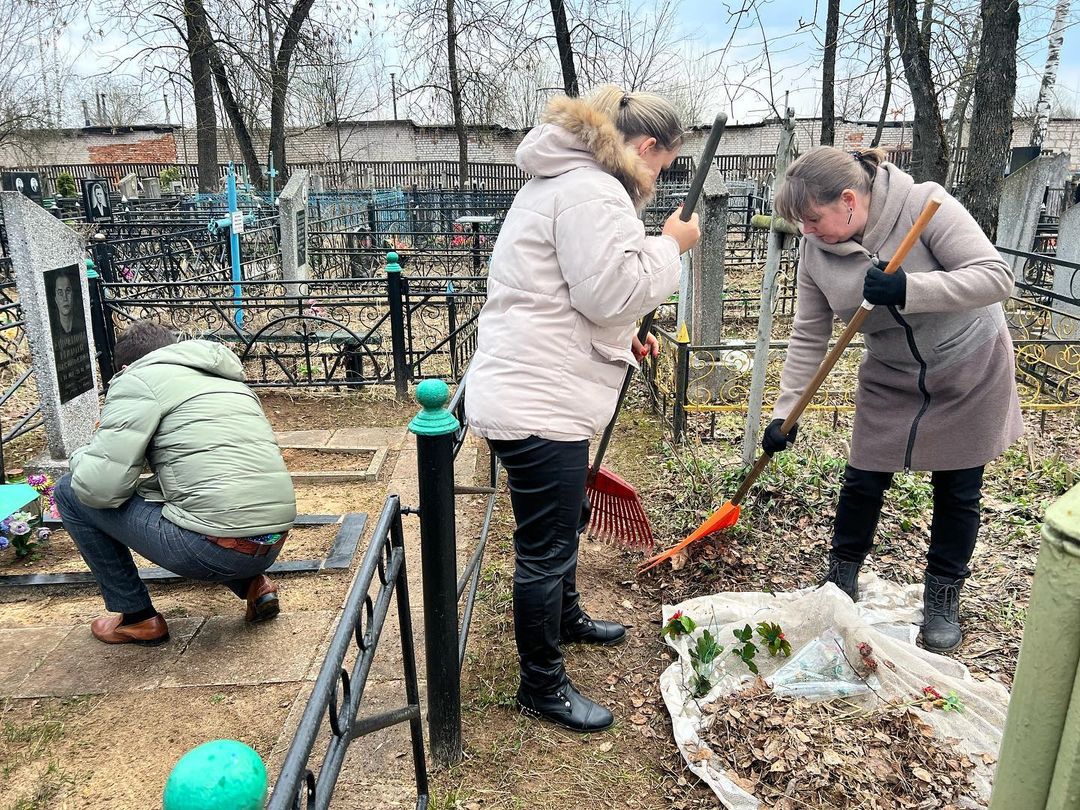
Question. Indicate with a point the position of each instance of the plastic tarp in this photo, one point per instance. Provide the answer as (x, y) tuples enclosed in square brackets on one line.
[(814, 620)]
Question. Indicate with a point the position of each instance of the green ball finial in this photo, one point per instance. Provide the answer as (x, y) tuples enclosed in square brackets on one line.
[(218, 775), (392, 265), (434, 419)]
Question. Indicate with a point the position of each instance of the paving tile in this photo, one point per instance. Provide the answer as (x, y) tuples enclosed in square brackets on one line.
[(303, 438), (392, 438), (22, 649), (227, 650), (82, 665)]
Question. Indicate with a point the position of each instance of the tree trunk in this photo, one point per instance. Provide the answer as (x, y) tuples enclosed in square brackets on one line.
[(1053, 59), (202, 86), (929, 160), (886, 53), (236, 119), (991, 119), (279, 85), (954, 127), (455, 96), (828, 75), (566, 48)]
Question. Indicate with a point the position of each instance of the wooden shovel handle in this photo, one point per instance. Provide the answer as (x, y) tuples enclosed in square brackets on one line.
[(834, 354)]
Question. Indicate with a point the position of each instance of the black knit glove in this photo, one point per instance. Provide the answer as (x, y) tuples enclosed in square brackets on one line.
[(774, 441), (885, 289)]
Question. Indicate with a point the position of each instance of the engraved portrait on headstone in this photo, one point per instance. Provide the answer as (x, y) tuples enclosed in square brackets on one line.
[(96, 200), (28, 183), (301, 237), (71, 349)]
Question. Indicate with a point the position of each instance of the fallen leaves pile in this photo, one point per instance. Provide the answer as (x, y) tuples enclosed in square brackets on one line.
[(795, 754)]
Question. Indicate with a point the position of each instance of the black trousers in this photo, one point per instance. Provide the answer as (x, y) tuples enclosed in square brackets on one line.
[(547, 492), (953, 530)]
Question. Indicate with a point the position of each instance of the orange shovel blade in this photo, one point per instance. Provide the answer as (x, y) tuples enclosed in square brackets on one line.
[(723, 518)]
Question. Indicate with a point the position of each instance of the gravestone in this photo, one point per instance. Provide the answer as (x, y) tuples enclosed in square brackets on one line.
[(27, 183), (1067, 279), (176, 187), (293, 208), (129, 186), (706, 287), (1021, 200), (152, 188), (96, 201), (48, 261), (318, 184)]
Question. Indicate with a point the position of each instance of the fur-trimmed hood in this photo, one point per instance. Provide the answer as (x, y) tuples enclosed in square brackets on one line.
[(574, 136)]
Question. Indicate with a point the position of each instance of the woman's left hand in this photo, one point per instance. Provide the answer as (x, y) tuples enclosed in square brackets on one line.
[(651, 347)]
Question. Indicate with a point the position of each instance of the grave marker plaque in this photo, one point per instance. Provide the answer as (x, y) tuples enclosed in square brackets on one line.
[(96, 201), (28, 183), (301, 237), (67, 323)]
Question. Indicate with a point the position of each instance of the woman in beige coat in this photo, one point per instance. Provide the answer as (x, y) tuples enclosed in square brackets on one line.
[(571, 272), (937, 387)]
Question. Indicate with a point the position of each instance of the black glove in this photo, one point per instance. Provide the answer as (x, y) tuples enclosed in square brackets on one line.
[(774, 441), (885, 289)]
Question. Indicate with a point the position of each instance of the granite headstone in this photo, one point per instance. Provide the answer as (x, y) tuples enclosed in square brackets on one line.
[(48, 260), (1021, 201), (292, 204)]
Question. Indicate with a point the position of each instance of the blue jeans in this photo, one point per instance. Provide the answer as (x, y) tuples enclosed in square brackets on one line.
[(105, 538)]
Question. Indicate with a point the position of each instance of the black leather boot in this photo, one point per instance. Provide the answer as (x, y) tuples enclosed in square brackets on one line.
[(566, 707), (941, 631), (593, 631), (845, 575)]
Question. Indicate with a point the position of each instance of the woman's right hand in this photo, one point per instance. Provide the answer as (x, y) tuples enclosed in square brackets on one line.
[(686, 234)]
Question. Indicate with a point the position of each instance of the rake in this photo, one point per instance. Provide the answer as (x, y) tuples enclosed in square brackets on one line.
[(617, 516), (728, 515)]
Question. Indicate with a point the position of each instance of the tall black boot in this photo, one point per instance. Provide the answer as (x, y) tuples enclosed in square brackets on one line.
[(844, 575), (941, 631)]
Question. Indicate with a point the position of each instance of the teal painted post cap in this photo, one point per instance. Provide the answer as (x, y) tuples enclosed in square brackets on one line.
[(433, 419), (218, 775), (392, 265), (91, 268)]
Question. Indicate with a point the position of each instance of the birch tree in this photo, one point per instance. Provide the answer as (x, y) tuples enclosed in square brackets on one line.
[(1049, 77)]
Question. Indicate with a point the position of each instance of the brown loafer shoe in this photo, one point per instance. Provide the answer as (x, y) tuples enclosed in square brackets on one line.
[(148, 633), (262, 600)]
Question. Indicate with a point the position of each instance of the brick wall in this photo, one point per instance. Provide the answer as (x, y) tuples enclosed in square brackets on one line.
[(406, 141)]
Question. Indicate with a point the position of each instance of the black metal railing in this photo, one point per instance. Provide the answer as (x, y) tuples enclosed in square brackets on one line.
[(334, 705)]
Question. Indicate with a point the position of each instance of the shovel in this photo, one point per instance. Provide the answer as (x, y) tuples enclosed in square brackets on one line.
[(727, 515), (617, 516)]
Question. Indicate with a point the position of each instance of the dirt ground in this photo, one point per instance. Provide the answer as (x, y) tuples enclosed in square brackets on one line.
[(48, 747)]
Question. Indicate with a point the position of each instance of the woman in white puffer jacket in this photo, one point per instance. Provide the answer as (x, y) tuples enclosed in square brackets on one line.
[(571, 272)]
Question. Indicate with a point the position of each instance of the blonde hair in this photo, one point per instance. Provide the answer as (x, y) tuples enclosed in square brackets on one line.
[(636, 114), (821, 175)]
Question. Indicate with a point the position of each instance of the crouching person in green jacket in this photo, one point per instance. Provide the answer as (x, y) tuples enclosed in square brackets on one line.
[(219, 503)]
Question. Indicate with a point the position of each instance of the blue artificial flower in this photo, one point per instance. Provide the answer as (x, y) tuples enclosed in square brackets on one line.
[(4, 542)]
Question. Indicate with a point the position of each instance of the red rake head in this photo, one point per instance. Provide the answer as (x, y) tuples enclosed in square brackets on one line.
[(618, 517)]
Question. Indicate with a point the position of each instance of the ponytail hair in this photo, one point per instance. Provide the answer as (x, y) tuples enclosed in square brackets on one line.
[(635, 114), (819, 177)]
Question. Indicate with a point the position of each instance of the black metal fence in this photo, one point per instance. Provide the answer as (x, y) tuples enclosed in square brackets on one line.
[(334, 705)]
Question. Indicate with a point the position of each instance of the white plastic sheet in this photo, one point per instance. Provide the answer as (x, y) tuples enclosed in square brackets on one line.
[(886, 617)]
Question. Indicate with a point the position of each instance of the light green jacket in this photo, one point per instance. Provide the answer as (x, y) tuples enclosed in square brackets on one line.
[(186, 412)]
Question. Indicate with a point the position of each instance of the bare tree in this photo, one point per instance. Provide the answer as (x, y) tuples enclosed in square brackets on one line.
[(886, 61), (992, 118), (929, 159), (199, 49), (565, 46), (828, 74), (1049, 77)]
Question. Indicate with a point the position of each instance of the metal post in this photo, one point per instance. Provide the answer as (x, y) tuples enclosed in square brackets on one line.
[(773, 255), (395, 300), (682, 381), (100, 324), (451, 325), (1040, 756), (434, 428)]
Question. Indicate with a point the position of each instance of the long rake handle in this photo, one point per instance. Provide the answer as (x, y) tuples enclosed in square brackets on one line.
[(845, 338), (697, 183)]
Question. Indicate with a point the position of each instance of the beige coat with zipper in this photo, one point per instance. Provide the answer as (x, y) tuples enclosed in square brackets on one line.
[(571, 272), (937, 386)]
